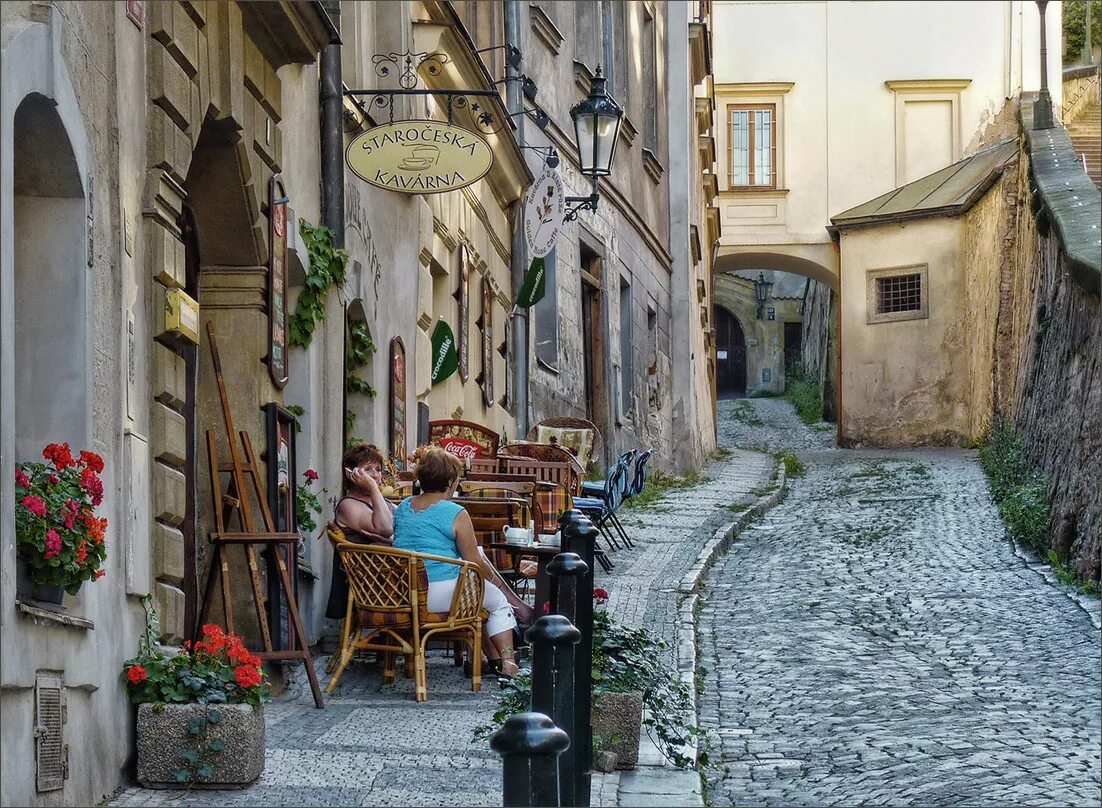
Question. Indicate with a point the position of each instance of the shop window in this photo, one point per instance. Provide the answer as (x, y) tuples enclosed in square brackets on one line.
[(896, 293)]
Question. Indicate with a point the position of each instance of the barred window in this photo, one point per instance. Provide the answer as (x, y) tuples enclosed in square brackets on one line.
[(897, 293)]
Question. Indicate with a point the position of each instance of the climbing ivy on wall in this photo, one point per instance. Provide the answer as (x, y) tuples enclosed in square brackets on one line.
[(359, 348), (328, 268)]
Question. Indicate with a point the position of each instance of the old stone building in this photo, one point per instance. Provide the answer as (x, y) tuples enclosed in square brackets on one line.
[(168, 177)]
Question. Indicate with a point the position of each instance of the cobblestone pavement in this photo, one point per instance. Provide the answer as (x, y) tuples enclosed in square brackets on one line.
[(875, 640), (374, 745)]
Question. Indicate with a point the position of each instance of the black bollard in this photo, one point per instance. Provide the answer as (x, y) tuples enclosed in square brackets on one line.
[(578, 536), (565, 570), (530, 745), (547, 636)]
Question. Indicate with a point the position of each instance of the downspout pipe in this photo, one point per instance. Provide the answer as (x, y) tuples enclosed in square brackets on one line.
[(514, 102), (332, 131)]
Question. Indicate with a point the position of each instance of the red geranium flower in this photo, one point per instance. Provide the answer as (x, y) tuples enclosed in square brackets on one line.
[(82, 552), (92, 461), (99, 574), (310, 475), (247, 675), (59, 455), (600, 596), (53, 544), (93, 485), (21, 479), (135, 673), (35, 505)]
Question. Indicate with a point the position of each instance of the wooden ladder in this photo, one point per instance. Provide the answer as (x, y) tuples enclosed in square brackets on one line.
[(235, 500)]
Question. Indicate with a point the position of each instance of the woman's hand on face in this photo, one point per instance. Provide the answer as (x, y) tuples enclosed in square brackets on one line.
[(360, 478)]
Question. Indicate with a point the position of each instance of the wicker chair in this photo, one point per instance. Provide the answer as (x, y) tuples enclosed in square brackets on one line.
[(387, 611)]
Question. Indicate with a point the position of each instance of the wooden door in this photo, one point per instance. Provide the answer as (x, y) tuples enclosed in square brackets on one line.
[(730, 355), (190, 236), (793, 345)]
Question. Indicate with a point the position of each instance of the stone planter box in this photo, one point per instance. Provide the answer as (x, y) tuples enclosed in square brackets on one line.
[(617, 718), (163, 738)]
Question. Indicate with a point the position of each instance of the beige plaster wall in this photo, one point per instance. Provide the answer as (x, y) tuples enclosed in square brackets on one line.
[(905, 383), (764, 337)]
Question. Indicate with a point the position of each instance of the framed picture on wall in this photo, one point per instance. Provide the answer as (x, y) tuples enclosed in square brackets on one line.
[(282, 492), (487, 342), (398, 402), (277, 283), (463, 298)]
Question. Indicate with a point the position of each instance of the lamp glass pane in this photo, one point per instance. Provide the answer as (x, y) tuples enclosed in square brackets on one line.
[(607, 126), (584, 134)]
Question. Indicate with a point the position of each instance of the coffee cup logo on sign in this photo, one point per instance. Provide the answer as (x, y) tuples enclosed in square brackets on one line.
[(544, 209)]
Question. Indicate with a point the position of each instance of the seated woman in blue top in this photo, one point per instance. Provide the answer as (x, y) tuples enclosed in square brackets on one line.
[(431, 523)]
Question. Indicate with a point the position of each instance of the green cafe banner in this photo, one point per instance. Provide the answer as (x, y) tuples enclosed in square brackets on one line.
[(533, 288), (445, 360)]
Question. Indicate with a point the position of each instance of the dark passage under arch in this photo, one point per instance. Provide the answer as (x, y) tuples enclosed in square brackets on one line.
[(730, 355)]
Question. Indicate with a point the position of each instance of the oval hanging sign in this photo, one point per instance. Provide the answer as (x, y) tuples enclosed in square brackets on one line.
[(419, 157), (544, 210)]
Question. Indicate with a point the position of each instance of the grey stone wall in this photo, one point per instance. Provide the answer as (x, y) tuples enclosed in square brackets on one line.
[(819, 332), (1056, 401)]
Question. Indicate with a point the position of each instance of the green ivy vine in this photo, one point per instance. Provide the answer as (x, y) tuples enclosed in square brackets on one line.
[(360, 347), (328, 268)]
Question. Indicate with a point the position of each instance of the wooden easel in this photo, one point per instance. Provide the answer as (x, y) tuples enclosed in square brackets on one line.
[(236, 499)]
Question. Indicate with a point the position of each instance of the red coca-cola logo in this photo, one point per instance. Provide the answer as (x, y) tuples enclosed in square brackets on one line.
[(463, 449)]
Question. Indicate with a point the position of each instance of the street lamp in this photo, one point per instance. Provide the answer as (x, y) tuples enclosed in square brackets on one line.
[(762, 289), (1042, 107), (596, 128)]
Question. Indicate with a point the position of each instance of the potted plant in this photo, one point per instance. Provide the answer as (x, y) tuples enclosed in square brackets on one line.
[(632, 687), (60, 539), (200, 719)]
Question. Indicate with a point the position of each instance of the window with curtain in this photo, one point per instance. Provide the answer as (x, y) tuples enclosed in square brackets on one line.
[(752, 146)]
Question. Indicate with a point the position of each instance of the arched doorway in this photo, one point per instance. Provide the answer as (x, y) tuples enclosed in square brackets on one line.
[(225, 260), (730, 355)]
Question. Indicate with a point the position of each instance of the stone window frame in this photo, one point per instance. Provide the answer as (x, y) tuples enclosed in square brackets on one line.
[(905, 91), (756, 95), (873, 317)]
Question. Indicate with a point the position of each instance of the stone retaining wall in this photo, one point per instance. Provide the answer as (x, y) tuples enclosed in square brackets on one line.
[(1054, 393)]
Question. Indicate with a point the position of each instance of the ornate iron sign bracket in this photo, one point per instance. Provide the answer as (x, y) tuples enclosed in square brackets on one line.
[(467, 105)]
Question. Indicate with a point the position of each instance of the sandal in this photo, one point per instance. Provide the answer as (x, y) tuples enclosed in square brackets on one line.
[(504, 674)]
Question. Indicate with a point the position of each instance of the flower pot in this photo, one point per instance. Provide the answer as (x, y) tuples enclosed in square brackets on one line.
[(165, 742), (617, 718), (44, 593)]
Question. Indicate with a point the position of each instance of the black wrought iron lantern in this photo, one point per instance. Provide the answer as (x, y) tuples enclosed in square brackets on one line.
[(596, 129), (763, 292)]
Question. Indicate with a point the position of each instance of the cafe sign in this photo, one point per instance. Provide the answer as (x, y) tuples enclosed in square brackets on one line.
[(419, 157)]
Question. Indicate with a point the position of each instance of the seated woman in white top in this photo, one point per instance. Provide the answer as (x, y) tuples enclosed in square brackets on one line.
[(431, 523)]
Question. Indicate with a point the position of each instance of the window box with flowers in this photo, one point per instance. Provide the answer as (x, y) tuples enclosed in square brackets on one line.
[(200, 718), (60, 539)]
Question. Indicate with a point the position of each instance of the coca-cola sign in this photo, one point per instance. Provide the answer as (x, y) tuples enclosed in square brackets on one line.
[(463, 449)]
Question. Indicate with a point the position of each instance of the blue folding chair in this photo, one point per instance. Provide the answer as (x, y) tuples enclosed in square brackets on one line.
[(635, 485), (600, 509)]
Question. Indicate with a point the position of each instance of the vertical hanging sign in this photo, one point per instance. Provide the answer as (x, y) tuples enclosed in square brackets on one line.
[(487, 342), (277, 282), (398, 402)]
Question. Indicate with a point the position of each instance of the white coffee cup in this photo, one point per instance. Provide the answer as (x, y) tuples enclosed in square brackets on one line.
[(551, 539)]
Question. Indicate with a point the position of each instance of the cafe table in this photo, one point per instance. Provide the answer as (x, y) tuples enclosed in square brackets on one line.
[(543, 553)]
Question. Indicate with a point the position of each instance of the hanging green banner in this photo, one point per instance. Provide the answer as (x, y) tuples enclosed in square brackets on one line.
[(533, 288), (445, 360)]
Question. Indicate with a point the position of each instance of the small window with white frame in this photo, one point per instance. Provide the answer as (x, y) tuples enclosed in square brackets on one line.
[(897, 293)]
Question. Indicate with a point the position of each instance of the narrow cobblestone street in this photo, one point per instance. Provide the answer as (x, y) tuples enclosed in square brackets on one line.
[(876, 640)]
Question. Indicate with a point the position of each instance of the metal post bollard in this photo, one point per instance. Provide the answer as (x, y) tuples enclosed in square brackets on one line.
[(566, 569), (530, 745), (578, 536), (552, 638)]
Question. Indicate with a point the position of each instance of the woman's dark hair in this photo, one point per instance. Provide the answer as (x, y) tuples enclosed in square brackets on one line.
[(360, 453), (437, 470)]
